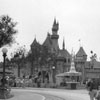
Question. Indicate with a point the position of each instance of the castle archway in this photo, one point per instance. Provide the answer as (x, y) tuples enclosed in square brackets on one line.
[(44, 75)]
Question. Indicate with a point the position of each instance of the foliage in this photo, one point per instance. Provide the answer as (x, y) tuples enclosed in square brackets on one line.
[(46, 55), (6, 30), (18, 58), (19, 55), (40, 54), (93, 56)]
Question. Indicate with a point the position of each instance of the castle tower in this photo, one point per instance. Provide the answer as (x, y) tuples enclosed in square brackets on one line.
[(80, 61), (33, 44), (55, 36), (35, 48)]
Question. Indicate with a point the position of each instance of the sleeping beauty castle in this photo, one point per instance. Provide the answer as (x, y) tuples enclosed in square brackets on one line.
[(89, 69)]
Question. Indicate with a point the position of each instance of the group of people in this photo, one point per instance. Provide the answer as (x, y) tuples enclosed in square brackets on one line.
[(21, 82), (26, 82), (93, 88)]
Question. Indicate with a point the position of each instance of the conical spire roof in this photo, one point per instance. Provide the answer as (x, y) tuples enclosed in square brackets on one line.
[(48, 41), (55, 26), (81, 52), (54, 22), (35, 43), (63, 44)]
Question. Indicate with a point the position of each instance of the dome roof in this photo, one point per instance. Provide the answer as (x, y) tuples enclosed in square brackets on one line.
[(64, 53)]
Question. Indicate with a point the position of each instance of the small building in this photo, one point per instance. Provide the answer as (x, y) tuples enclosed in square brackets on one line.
[(92, 69)]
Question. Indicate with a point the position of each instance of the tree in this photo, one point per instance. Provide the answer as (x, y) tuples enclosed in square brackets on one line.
[(39, 56), (93, 56), (7, 30), (45, 55), (19, 58)]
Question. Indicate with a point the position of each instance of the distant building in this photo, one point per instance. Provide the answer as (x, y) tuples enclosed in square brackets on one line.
[(92, 69)]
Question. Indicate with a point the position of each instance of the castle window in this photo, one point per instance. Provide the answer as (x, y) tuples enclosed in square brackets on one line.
[(68, 60), (91, 66)]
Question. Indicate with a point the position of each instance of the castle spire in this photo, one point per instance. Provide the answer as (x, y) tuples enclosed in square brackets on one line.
[(54, 22), (55, 35), (63, 44), (55, 27)]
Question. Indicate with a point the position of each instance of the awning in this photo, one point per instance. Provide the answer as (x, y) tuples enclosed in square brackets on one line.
[(69, 74)]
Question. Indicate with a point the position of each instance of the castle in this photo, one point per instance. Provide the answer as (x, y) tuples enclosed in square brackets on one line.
[(64, 57)]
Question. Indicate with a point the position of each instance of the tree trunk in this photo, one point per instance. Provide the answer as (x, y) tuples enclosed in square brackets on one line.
[(18, 70)]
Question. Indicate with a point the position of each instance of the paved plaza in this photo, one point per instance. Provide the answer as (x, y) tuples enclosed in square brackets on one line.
[(48, 94)]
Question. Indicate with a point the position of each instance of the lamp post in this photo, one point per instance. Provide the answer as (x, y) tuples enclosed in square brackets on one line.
[(53, 68), (3, 94), (4, 51)]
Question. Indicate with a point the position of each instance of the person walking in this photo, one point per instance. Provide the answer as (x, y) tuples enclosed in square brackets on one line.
[(92, 91), (97, 96)]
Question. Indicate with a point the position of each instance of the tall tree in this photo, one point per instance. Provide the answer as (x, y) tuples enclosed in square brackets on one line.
[(7, 30), (19, 58)]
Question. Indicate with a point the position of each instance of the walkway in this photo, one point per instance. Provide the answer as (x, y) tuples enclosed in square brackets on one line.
[(49, 94)]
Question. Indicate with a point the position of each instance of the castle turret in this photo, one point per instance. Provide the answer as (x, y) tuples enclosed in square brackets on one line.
[(35, 45), (81, 58), (55, 35), (55, 27), (81, 55)]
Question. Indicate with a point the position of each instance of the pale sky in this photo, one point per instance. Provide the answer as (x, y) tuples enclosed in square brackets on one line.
[(78, 19)]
